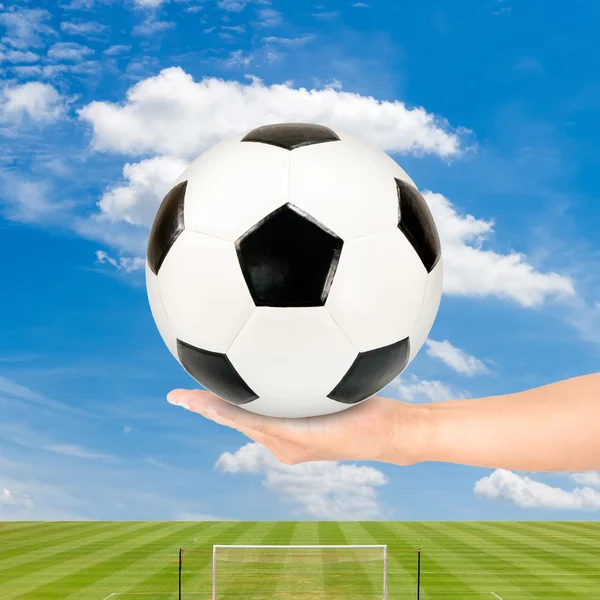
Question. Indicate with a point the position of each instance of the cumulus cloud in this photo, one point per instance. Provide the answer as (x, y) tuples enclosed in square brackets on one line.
[(269, 17), (34, 501), (289, 42), (320, 489), (145, 185), (18, 56), (7, 498), (148, 3), (176, 118), (31, 201), (232, 5), (455, 358), (69, 51), (173, 115), (127, 264), (83, 28), (409, 388), (35, 100), (26, 28), (470, 270), (527, 493), (151, 26), (590, 478)]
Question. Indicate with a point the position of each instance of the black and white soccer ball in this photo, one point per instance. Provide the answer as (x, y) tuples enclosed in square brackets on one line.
[(293, 270)]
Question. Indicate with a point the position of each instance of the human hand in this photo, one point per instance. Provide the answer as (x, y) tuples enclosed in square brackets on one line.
[(377, 429)]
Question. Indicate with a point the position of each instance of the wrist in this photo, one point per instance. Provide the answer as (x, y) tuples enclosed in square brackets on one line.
[(411, 434)]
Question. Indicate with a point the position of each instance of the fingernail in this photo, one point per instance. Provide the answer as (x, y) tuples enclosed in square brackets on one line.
[(176, 398)]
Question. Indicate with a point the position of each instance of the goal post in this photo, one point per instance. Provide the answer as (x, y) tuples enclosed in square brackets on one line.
[(299, 572), (295, 572)]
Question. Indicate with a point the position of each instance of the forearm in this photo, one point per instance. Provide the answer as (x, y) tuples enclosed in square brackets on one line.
[(551, 428)]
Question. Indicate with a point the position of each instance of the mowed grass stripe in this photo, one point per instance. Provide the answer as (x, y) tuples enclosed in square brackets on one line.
[(402, 557), (117, 562), (23, 536), (572, 541), (197, 574), (562, 562), (492, 559), (589, 530), (403, 535), (15, 530), (283, 577), (230, 576), (156, 569), (57, 538), (306, 533), (353, 580), (264, 576), (50, 556), (68, 564)]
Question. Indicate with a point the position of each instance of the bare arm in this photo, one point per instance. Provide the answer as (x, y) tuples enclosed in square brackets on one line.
[(550, 428)]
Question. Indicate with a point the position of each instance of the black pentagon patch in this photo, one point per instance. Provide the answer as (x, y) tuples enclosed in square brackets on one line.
[(168, 225), (215, 372), (289, 259), (372, 371), (291, 135), (417, 224)]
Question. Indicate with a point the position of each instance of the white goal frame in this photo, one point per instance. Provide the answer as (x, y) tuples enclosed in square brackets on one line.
[(383, 548)]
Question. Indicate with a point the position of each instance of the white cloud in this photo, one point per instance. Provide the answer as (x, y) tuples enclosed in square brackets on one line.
[(527, 493), (127, 264), (409, 388), (147, 183), (26, 28), (232, 5), (470, 270), (590, 478), (455, 358), (78, 452), (157, 464), (237, 58), (152, 26), (319, 489), (269, 17), (326, 16), (194, 516), (117, 50), (12, 388), (148, 3), (32, 500), (19, 56), (29, 201), (173, 115), (83, 28), (38, 101), (7, 498), (289, 42), (69, 51)]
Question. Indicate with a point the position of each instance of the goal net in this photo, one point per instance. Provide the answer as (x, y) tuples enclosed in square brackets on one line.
[(263, 572)]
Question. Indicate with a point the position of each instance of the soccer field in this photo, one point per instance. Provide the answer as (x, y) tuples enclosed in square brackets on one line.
[(138, 561)]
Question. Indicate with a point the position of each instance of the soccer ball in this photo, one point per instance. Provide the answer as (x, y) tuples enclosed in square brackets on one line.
[(293, 270)]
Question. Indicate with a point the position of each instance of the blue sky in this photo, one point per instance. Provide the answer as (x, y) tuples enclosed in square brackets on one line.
[(491, 107)]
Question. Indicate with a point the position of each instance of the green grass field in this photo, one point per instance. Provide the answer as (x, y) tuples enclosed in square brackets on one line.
[(460, 561)]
